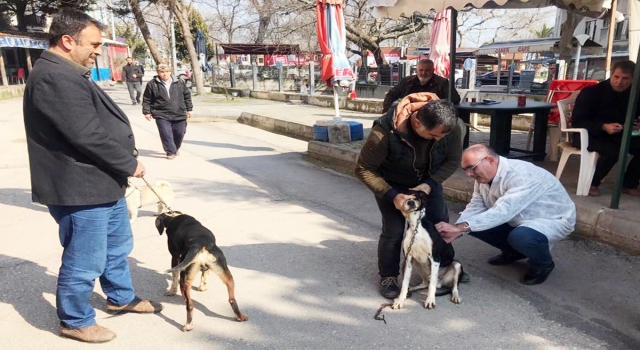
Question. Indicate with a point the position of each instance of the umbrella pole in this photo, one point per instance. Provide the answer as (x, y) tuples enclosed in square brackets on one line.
[(336, 104)]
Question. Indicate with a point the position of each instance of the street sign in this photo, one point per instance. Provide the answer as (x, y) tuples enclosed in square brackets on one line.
[(468, 64)]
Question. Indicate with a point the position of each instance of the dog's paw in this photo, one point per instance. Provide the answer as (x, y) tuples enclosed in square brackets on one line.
[(430, 303), (397, 304), (187, 327), (203, 287), (455, 297), (242, 318), (171, 292)]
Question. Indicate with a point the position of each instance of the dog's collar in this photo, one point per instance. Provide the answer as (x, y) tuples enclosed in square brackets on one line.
[(173, 213)]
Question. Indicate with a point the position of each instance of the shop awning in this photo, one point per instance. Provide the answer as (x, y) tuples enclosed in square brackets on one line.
[(529, 45), (257, 49), (398, 8), (8, 39)]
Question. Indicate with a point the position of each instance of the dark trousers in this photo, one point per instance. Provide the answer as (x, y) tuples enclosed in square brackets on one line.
[(609, 151), (524, 240), (135, 90), (390, 243), (171, 133)]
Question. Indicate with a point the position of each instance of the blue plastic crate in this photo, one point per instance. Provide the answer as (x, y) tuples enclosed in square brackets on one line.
[(320, 133), (356, 130)]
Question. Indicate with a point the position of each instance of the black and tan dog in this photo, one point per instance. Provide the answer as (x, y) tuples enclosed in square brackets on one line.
[(425, 250), (193, 249)]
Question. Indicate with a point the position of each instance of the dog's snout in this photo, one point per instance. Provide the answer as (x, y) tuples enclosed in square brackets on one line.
[(412, 204)]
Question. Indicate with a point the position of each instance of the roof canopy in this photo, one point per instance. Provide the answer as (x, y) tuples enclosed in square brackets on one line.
[(258, 49), (398, 8), (528, 45)]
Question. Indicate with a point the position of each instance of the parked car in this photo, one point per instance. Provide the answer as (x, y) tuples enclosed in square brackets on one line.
[(491, 78)]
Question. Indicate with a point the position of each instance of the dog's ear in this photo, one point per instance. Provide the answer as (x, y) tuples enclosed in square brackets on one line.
[(160, 222), (423, 197)]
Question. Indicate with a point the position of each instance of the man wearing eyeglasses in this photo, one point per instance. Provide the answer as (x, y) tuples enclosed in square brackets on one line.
[(415, 146), (517, 207)]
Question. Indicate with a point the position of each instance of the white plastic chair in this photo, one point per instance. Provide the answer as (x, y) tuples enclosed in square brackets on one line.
[(553, 130), (466, 96), (588, 159)]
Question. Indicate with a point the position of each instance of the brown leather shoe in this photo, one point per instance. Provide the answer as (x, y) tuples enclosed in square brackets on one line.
[(593, 191), (632, 191), (138, 306), (91, 334)]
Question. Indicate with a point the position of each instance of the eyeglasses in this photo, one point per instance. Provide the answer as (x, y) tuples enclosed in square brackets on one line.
[(472, 169)]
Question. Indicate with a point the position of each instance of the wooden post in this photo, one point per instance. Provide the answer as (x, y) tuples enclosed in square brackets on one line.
[(612, 29), (3, 70), (29, 65)]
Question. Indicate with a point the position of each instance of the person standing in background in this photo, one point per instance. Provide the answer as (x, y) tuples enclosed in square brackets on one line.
[(132, 75)]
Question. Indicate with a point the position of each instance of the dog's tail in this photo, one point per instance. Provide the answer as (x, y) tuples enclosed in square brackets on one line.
[(188, 260), (162, 183)]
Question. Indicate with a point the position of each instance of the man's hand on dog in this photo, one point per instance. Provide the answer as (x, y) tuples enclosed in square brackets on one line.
[(139, 170), (449, 232), (422, 187)]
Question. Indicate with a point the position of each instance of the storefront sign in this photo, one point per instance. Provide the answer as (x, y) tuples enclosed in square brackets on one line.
[(26, 43)]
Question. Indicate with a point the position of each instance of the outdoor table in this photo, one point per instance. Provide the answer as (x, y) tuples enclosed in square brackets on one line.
[(500, 134)]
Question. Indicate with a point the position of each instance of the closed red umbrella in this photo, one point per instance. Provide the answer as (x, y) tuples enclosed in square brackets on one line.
[(332, 38), (440, 43)]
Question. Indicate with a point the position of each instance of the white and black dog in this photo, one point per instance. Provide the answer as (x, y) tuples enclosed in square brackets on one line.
[(425, 249)]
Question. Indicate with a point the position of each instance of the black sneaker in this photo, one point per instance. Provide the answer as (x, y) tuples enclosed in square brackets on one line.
[(389, 287), (537, 276), (506, 258), (464, 278)]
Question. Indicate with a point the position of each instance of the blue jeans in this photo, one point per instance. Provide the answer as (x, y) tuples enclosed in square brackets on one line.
[(97, 240), (524, 240), (390, 243)]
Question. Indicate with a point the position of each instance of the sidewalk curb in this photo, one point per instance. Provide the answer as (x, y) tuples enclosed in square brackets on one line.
[(296, 130)]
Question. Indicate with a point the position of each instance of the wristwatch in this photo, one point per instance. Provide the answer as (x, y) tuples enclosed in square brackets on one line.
[(465, 227)]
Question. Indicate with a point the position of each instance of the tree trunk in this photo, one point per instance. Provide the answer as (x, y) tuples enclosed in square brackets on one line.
[(21, 7), (182, 14), (265, 12), (566, 34), (366, 42), (144, 29), (263, 26)]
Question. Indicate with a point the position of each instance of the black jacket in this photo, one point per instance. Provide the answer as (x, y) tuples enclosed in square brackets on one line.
[(597, 105), (129, 70), (389, 160), (409, 85), (156, 102), (80, 142)]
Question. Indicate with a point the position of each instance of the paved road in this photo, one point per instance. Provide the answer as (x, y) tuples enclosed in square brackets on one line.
[(301, 243)]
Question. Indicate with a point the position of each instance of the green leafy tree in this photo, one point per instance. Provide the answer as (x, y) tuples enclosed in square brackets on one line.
[(543, 32), (133, 38), (39, 7), (196, 22)]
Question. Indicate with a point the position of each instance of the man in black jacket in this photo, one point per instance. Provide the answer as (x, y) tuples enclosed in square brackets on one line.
[(602, 110), (424, 81), (415, 146), (81, 152), (132, 75), (168, 101)]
